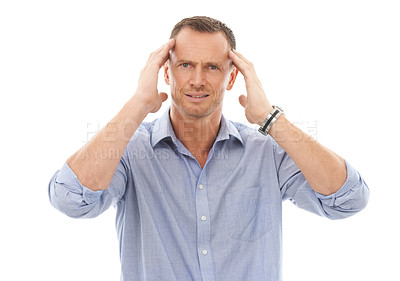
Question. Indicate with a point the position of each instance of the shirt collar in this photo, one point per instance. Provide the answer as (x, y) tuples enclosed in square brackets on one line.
[(163, 129), (228, 129)]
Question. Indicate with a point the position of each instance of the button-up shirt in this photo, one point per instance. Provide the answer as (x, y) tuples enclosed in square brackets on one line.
[(178, 221)]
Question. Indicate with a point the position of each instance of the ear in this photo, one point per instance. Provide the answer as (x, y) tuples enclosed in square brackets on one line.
[(232, 78), (166, 74)]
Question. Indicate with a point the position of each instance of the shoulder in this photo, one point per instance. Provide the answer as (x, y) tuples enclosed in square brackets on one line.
[(252, 139), (145, 129), (142, 135), (250, 133)]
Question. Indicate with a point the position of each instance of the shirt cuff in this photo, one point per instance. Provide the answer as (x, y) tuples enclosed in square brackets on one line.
[(69, 180), (352, 183)]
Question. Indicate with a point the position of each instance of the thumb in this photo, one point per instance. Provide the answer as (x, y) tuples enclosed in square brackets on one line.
[(163, 96), (243, 100)]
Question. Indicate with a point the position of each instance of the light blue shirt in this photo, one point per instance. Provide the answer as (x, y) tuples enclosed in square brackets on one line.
[(177, 221)]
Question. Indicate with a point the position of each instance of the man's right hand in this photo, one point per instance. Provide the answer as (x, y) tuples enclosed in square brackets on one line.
[(147, 92), (93, 169)]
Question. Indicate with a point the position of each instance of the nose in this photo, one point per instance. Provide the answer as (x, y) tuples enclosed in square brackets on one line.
[(198, 78)]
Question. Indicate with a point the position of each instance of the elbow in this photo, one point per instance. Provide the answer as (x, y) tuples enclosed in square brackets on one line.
[(363, 198), (360, 198), (61, 201), (353, 205), (70, 204)]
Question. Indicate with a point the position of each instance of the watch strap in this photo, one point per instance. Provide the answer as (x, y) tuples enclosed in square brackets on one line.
[(270, 120)]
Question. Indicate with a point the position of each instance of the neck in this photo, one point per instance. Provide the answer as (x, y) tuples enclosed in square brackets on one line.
[(196, 134)]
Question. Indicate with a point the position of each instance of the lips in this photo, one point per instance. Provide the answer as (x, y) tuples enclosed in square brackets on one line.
[(197, 97)]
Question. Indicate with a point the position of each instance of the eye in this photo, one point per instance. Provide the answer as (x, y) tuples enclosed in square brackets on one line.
[(213, 67), (185, 65)]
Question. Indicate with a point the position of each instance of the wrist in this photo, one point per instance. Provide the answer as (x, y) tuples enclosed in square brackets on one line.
[(263, 115), (143, 103), (138, 106), (270, 120)]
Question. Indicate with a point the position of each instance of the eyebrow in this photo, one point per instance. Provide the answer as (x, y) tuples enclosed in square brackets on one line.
[(194, 63)]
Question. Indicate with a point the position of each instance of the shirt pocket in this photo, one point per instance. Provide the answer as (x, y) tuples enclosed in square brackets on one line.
[(248, 213)]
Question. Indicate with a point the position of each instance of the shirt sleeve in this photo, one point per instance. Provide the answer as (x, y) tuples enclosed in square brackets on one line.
[(351, 198), (69, 196)]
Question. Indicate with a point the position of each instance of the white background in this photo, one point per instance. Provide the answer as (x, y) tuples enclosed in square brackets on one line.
[(68, 66)]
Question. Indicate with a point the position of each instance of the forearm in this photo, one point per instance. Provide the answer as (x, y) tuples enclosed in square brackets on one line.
[(324, 170), (95, 163)]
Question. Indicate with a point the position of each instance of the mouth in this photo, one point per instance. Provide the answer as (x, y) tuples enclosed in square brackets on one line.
[(197, 96)]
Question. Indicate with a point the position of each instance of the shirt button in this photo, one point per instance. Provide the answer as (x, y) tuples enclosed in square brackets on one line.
[(204, 252), (203, 218), (201, 186)]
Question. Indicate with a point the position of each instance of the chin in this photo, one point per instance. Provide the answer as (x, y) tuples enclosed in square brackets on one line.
[(196, 114), (197, 111)]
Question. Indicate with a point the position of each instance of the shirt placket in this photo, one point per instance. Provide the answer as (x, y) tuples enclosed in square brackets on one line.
[(204, 229)]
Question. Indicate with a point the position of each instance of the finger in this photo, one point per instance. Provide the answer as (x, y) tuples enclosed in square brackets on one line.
[(241, 56), (243, 100), (161, 55), (245, 66), (170, 44), (233, 57), (240, 64), (164, 49), (163, 96), (167, 47)]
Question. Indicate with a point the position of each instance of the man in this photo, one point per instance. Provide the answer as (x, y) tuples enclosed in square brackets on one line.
[(199, 197)]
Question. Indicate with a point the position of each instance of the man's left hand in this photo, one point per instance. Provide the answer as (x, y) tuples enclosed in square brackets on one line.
[(256, 104)]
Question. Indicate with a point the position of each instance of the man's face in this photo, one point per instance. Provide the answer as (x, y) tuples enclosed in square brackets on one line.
[(199, 71)]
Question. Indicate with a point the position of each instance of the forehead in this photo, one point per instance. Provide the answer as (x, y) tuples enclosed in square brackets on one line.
[(201, 46)]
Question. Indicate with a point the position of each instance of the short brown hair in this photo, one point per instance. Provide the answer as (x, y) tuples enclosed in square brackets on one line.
[(205, 24)]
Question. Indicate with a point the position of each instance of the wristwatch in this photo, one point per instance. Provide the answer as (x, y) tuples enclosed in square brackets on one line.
[(270, 120)]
